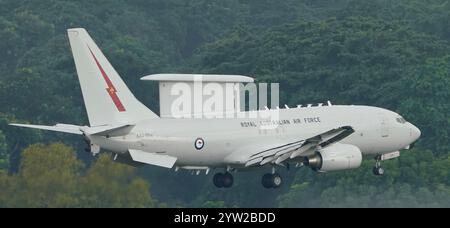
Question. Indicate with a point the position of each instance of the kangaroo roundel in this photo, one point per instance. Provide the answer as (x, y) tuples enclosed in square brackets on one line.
[(199, 143)]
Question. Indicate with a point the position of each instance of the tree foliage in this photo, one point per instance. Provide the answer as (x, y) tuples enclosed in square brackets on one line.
[(417, 180), (52, 176), (4, 155)]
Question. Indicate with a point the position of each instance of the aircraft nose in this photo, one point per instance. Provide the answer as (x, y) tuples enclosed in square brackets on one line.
[(414, 133)]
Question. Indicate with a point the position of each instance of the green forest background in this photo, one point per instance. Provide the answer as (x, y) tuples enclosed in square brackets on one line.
[(389, 53)]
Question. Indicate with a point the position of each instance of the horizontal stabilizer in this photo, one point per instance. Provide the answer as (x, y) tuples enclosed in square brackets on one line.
[(66, 128), (110, 131), (153, 158)]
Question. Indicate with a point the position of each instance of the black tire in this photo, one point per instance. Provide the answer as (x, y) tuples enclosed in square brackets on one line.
[(375, 171), (378, 171), (266, 180), (218, 180), (227, 180)]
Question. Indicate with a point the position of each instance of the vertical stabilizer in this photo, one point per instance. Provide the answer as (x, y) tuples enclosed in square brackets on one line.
[(107, 99)]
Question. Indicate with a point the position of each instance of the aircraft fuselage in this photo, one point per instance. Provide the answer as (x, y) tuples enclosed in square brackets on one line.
[(377, 131)]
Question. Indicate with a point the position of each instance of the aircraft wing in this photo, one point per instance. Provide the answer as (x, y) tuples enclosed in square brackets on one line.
[(66, 128), (289, 151)]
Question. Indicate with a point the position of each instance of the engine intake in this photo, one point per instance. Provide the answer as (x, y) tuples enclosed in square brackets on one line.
[(334, 158)]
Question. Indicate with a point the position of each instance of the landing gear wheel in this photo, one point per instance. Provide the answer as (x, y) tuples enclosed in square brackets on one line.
[(223, 180), (272, 180), (378, 171), (277, 180), (266, 180), (217, 179), (227, 180)]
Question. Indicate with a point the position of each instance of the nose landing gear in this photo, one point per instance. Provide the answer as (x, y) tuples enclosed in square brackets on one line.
[(377, 169)]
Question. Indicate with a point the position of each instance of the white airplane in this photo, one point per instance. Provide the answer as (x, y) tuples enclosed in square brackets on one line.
[(324, 138)]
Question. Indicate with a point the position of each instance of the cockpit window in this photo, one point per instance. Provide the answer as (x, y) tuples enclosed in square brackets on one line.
[(401, 120)]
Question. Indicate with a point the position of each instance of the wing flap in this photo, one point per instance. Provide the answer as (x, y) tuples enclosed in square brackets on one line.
[(165, 161), (253, 161), (337, 135), (303, 150), (280, 154)]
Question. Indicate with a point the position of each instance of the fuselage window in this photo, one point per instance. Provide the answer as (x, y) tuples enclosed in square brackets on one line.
[(401, 120)]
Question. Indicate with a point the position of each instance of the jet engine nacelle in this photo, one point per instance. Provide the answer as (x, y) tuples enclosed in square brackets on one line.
[(335, 157)]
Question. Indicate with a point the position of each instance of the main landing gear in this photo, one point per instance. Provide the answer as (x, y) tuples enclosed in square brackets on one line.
[(269, 180), (377, 169), (272, 180), (223, 180)]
